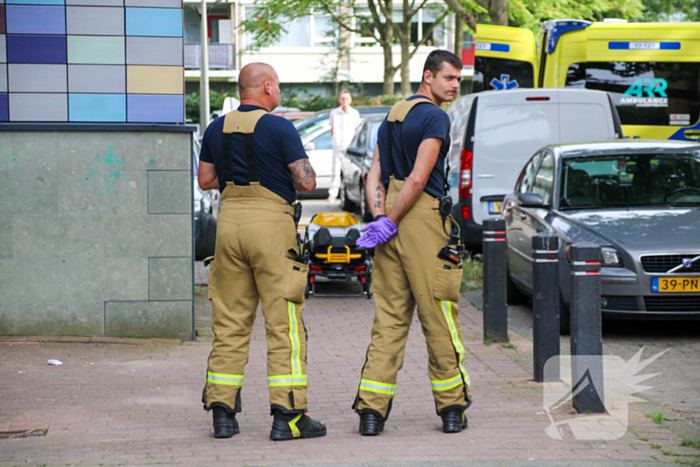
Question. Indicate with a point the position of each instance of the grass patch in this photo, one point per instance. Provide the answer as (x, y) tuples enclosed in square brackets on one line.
[(655, 446), (689, 443), (472, 273), (644, 439), (657, 417), (508, 345), (488, 341)]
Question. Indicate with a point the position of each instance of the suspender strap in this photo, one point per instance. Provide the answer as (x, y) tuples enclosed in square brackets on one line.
[(398, 114), (241, 122), (250, 156)]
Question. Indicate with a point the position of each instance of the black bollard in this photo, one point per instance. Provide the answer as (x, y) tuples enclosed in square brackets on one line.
[(495, 307), (586, 329), (545, 304)]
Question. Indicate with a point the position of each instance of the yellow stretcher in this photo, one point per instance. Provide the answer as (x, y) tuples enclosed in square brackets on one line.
[(330, 239)]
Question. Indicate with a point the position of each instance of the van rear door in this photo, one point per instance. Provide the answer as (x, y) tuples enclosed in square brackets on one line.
[(505, 58), (510, 128), (585, 116)]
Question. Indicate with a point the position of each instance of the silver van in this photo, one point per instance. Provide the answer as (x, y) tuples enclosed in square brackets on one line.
[(494, 133)]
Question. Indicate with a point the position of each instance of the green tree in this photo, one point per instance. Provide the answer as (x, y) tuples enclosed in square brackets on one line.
[(216, 102), (663, 10), (373, 19), (529, 13)]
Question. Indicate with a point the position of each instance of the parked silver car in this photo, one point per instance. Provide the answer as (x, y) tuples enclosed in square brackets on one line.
[(205, 211), (639, 200)]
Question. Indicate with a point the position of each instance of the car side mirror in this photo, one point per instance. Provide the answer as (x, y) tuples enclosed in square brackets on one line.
[(530, 200), (309, 147)]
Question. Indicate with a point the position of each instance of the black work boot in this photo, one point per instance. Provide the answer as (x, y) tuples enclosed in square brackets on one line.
[(225, 424), (294, 426), (454, 421), (370, 424)]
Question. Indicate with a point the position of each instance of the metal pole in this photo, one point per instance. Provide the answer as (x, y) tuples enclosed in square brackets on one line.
[(495, 307), (586, 329), (545, 304), (204, 73)]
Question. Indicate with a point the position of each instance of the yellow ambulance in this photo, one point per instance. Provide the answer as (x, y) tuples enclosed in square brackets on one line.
[(650, 70)]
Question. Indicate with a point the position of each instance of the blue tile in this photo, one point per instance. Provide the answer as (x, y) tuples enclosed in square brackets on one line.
[(154, 22), (97, 107), (36, 49), (155, 108), (23, 19), (36, 2), (4, 111)]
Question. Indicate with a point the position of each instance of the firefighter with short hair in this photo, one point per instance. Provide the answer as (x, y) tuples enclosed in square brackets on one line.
[(258, 162), (407, 192)]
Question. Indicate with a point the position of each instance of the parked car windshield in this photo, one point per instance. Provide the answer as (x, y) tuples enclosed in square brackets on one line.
[(630, 180), (313, 127)]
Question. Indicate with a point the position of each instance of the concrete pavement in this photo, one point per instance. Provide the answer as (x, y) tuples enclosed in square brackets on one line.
[(137, 403)]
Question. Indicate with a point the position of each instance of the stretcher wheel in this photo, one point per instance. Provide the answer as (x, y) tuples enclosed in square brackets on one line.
[(366, 288)]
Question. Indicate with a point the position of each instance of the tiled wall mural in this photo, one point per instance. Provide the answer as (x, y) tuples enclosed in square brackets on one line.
[(91, 61)]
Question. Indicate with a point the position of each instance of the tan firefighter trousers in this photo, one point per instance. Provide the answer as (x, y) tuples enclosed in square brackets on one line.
[(256, 247), (407, 272)]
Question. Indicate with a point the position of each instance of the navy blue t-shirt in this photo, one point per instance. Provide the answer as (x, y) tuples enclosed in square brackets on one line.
[(422, 122), (276, 143)]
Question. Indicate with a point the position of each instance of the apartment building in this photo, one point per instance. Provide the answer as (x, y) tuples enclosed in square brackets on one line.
[(306, 57)]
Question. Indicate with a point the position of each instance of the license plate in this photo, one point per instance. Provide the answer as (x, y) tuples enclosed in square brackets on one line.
[(495, 207), (675, 284)]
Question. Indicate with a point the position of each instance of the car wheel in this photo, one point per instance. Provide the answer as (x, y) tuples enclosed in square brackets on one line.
[(209, 243), (364, 206), (347, 205), (513, 295)]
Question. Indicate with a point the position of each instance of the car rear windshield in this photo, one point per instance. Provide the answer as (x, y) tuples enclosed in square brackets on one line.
[(630, 180), (501, 74)]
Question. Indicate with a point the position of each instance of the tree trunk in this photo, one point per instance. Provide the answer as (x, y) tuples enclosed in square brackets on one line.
[(498, 11), (459, 36), (406, 50), (389, 70), (388, 42), (405, 61)]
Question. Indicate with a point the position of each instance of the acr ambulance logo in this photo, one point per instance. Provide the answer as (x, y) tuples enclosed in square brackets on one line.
[(620, 382), (504, 84), (646, 92)]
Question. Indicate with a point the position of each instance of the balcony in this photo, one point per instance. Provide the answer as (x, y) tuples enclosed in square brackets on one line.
[(220, 56)]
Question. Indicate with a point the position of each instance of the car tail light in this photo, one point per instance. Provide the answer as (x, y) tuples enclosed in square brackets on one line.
[(316, 269), (537, 98), (465, 174), (466, 212)]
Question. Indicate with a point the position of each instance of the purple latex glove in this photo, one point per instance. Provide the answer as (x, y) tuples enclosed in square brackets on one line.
[(377, 232)]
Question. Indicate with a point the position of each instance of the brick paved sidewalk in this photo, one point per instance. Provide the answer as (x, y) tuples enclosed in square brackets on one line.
[(127, 404)]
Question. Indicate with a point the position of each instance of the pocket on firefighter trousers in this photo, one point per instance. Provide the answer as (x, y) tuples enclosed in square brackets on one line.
[(297, 275), (448, 280)]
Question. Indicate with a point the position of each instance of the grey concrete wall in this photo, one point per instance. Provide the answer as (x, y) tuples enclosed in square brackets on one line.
[(96, 233)]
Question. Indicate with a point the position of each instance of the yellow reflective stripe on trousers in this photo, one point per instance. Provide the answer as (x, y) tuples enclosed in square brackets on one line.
[(221, 378), (294, 338), (376, 386), (286, 380), (447, 311), (445, 384)]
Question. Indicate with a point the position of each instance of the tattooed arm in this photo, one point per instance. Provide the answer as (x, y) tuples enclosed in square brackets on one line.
[(303, 175), (376, 194)]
